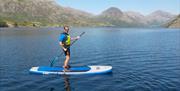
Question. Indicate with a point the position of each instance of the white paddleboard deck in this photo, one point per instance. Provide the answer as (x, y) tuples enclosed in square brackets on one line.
[(72, 71)]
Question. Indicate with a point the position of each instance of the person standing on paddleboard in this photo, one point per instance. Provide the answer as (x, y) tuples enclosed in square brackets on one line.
[(65, 43)]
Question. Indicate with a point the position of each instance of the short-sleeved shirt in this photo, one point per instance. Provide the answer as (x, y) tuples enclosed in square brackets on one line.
[(62, 37)]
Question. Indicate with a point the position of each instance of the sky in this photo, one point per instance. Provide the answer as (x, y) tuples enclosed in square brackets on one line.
[(143, 6)]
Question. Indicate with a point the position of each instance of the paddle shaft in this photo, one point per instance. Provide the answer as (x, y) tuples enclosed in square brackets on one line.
[(56, 58)]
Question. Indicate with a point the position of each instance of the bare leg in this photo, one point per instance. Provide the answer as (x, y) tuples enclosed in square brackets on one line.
[(66, 61)]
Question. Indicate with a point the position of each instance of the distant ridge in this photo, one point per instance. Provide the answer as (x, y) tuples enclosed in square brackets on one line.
[(159, 17)]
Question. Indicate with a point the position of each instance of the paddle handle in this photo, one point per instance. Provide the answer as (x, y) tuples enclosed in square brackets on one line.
[(77, 39)]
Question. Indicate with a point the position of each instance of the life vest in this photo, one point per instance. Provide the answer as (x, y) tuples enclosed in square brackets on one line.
[(67, 40)]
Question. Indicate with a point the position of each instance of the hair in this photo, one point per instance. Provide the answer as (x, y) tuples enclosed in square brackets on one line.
[(65, 27)]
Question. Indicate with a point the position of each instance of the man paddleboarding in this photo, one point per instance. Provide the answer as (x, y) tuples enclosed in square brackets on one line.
[(65, 43)]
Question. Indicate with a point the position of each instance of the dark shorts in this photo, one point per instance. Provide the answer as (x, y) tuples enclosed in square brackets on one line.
[(67, 52)]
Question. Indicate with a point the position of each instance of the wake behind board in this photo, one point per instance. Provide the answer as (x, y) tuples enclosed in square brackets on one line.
[(71, 71)]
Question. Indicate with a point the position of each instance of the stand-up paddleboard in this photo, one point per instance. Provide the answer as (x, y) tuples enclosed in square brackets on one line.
[(71, 71)]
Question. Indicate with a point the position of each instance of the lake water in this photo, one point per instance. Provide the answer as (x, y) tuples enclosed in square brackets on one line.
[(142, 59)]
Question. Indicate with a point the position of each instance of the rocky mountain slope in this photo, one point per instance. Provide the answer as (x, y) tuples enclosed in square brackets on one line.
[(44, 12), (175, 23)]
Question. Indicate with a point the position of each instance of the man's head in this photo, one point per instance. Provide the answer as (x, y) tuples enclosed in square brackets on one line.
[(66, 29)]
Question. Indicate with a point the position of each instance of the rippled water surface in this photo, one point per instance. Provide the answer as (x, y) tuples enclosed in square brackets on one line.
[(142, 59)]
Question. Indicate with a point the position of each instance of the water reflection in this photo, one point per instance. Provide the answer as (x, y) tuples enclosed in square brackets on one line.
[(66, 83), (67, 86), (51, 89)]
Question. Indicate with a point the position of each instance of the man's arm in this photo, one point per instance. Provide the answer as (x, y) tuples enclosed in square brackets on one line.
[(75, 38), (62, 46), (61, 39)]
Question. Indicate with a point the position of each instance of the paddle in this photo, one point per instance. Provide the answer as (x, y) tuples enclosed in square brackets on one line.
[(56, 58)]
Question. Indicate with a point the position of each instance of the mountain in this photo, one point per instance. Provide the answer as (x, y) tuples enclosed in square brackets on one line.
[(118, 18), (159, 17), (43, 12), (175, 23), (30, 10), (49, 13), (135, 19), (112, 12)]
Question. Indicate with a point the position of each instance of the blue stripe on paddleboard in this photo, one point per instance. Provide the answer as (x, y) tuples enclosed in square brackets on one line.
[(57, 69)]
